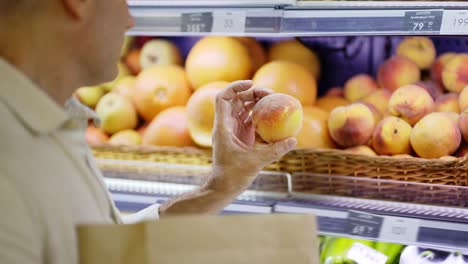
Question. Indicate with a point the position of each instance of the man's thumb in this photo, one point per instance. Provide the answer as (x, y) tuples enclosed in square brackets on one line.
[(277, 150)]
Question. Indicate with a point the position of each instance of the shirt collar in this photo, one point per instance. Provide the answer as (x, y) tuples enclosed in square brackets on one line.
[(32, 106)]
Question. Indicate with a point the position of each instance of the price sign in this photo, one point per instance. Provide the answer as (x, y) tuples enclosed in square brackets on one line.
[(197, 22), (423, 21), (400, 229), (364, 225), (229, 21), (455, 22), (363, 254)]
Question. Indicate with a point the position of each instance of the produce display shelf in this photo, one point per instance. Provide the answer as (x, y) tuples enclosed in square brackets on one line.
[(304, 18), (437, 227)]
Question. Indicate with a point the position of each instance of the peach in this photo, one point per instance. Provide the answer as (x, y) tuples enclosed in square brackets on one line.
[(447, 103), (439, 65), (379, 99), (361, 150), (392, 136), (127, 137), (335, 91), (351, 125), (402, 156), (201, 112), (453, 116), (132, 60), (95, 136), (420, 50), (397, 72), (375, 112), (359, 86), (411, 103), (455, 73), (448, 158), (463, 99), (314, 131), (463, 124), (434, 89), (430, 141), (277, 117), (328, 102)]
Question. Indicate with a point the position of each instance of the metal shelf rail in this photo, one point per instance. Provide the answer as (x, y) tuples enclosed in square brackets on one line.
[(301, 18)]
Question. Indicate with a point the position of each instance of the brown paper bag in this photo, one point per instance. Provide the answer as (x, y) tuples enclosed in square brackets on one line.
[(257, 239)]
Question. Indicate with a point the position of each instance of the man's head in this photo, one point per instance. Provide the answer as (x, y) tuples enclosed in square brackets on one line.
[(83, 37)]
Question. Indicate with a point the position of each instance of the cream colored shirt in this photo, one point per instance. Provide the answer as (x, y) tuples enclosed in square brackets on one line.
[(49, 182)]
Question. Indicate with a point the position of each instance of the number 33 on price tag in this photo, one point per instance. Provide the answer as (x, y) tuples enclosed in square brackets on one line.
[(229, 21), (455, 22)]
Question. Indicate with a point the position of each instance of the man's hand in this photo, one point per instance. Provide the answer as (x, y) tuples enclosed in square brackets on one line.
[(237, 159)]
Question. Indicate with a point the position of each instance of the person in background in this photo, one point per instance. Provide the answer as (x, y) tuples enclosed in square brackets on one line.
[(49, 182)]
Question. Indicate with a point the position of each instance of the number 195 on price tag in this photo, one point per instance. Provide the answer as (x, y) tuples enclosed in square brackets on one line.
[(455, 22)]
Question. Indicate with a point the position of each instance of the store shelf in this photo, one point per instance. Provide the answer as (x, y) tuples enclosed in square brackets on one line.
[(304, 18), (437, 227)]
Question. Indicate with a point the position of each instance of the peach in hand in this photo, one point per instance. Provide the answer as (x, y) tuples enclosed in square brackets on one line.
[(277, 117)]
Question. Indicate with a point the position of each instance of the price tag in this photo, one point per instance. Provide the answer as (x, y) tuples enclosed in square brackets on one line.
[(455, 22), (197, 22), (423, 21), (400, 229), (363, 254), (229, 21), (364, 225)]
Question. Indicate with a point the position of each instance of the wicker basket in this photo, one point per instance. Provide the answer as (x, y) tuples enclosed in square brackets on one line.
[(319, 161)]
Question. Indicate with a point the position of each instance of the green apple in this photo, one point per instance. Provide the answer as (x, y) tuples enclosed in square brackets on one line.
[(116, 113), (89, 95)]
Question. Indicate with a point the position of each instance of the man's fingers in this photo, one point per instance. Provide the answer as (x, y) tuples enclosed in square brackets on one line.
[(230, 92), (277, 150), (254, 94), (237, 106), (249, 106)]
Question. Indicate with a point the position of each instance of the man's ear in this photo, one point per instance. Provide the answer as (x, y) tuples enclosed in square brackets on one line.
[(76, 8)]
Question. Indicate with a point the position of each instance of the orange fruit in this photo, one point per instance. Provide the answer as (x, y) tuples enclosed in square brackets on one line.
[(294, 51), (201, 112), (218, 59), (289, 78), (169, 128), (160, 87), (256, 51)]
